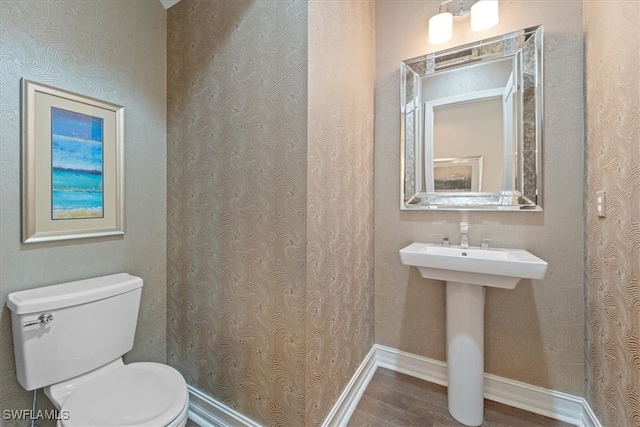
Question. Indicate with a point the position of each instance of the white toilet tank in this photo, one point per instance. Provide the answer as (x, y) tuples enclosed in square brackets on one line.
[(92, 322)]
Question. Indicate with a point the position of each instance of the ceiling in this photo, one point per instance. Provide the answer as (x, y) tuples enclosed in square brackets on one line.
[(168, 3)]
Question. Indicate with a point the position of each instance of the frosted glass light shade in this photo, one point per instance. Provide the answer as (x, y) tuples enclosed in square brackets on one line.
[(484, 15), (440, 28)]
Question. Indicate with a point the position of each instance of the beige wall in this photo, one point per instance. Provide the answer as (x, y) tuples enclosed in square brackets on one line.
[(612, 95), (237, 203), (269, 203), (534, 333), (114, 51), (339, 198), (265, 312)]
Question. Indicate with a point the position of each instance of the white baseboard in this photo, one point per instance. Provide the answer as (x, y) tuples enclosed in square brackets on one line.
[(553, 404), (348, 400), (430, 370), (208, 412)]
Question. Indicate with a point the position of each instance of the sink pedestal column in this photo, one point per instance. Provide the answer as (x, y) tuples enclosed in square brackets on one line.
[(465, 352)]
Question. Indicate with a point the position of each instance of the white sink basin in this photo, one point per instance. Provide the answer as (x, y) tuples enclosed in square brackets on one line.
[(495, 267)]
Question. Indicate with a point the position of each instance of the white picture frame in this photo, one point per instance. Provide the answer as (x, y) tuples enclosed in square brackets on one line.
[(72, 165)]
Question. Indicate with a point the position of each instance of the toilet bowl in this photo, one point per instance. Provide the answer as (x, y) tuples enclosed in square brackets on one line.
[(83, 328), (137, 394)]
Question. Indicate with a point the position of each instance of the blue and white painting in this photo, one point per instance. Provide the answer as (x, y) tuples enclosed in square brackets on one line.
[(76, 165)]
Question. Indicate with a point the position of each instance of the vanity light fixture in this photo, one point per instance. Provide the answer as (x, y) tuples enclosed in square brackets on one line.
[(484, 15)]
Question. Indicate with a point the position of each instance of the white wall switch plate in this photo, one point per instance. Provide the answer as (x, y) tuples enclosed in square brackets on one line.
[(601, 203)]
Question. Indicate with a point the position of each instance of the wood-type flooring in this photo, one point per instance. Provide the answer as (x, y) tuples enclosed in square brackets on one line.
[(395, 399)]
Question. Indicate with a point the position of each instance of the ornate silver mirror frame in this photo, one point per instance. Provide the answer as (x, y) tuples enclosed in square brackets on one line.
[(472, 126)]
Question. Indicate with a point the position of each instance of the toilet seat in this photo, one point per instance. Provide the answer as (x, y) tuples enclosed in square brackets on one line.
[(138, 394)]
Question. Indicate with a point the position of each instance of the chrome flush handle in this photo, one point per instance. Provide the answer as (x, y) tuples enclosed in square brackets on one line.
[(43, 319)]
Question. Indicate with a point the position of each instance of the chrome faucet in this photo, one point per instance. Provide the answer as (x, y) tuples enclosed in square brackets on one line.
[(464, 235)]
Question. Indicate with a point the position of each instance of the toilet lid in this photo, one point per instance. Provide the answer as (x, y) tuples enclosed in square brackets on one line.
[(138, 394)]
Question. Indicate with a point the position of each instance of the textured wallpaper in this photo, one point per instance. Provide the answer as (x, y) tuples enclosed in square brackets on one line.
[(534, 333), (115, 51), (237, 98), (339, 198), (612, 52), (269, 204)]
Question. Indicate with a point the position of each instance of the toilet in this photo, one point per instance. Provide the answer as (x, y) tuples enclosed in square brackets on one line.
[(70, 339)]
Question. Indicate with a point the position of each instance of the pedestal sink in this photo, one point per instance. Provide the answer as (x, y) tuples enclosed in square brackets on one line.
[(468, 272)]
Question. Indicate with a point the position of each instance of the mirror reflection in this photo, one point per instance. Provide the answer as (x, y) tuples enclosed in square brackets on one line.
[(472, 126)]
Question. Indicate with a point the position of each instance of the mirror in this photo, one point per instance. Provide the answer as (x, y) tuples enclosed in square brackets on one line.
[(471, 129)]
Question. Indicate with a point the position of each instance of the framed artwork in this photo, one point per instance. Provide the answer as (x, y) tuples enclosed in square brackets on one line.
[(458, 174), (72, 165)]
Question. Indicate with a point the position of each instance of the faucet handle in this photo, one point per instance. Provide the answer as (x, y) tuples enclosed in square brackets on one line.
[(445, 239), (484, 244)]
